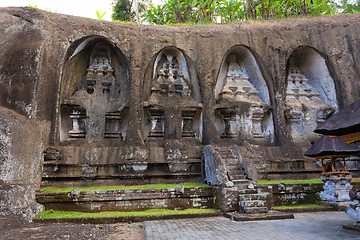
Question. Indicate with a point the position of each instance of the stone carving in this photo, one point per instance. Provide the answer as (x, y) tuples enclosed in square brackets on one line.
[(95, 111), (157, 123), (171, 107), (237, 85), (336, 189), (170, 80), (187, 124), (78, 124), (239, 90), (354, 213), (304, 108)]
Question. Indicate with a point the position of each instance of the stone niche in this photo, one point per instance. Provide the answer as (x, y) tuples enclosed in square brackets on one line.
[(172, 107), (310, 94), (243, 110), (94, 94)]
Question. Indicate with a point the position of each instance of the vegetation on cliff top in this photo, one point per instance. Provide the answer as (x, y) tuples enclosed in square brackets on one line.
[(227, 11)]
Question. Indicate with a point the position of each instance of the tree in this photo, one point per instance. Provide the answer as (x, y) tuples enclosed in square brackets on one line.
[(124, 10), (199, 11)]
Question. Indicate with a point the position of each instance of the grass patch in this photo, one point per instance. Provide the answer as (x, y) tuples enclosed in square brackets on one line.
[(299, 206), (106, 188), (51, 214), (290, 181), (297, 181)]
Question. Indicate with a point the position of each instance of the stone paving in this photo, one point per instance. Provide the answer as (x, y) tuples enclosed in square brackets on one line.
[(319, 225)]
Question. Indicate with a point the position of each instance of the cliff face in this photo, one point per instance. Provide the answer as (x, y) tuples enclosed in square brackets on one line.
[(35, 46), (154, 92), (22, 144)]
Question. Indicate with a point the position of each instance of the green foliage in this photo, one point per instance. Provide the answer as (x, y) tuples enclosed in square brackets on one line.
[(290, 181), (51, 214), (297, 181), (33, 6), (107, 188), (99, 15), (196, 11), (124, 10)]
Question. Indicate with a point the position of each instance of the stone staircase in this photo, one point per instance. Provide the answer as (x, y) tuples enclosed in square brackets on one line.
[(250, 198)]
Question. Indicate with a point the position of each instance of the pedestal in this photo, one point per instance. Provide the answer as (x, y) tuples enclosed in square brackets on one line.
[(336, 189)]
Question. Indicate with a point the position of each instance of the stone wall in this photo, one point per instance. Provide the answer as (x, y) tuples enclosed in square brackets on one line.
[(129, 200), (282, 194), (111, 86), (22, 144)]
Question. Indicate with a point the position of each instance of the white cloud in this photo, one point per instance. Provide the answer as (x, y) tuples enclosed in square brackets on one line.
[(82, 8)]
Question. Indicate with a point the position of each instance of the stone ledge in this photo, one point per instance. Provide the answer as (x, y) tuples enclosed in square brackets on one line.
[(270, 215), (109, 220), (128, 200), (351, 227), (309, 209)]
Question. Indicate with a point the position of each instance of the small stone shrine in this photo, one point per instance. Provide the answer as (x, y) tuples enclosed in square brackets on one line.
[(332, 153), (345, 126)]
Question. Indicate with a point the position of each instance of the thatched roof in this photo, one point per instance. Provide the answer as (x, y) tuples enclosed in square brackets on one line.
[(326, 146), (343, 122)]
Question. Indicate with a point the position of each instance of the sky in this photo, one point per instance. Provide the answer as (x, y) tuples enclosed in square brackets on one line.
[(82, 8)]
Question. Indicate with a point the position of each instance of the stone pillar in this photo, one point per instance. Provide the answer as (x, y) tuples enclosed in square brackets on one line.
[(157, 123), (257, 117), (188, 123), (78, 124), (112, 125), (229, 118)]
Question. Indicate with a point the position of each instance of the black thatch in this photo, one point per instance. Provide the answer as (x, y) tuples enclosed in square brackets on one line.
[(343, 122), (326, 146)]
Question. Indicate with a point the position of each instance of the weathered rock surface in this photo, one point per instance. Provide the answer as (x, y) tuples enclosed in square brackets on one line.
[(22, 143), (129, 102), (35, 46)]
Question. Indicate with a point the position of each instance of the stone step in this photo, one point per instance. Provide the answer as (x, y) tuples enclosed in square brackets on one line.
[(227, 156), (253, 203), (233, 177), (256, 210), (250, 197), (247, 191), (232, 162), (244, 182), (222, 148), (236, 171), (233, 167), (224, 152)]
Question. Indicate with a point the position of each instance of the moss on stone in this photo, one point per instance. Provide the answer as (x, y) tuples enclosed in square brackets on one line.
[(51, 214), (107, 188)]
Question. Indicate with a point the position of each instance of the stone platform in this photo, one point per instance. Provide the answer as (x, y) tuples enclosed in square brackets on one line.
[(320, 225), (128, 200), (351, 227), (270, 215)]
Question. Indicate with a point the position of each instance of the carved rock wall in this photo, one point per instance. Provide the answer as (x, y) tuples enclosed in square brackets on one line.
[(37, 46)]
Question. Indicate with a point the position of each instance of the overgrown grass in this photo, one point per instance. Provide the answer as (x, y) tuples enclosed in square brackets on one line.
[(299, 206), (290, 181), (297, 181), (106, 188), (51, 214)]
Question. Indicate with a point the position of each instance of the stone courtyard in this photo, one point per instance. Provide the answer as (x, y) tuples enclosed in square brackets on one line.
[(319, 225)]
